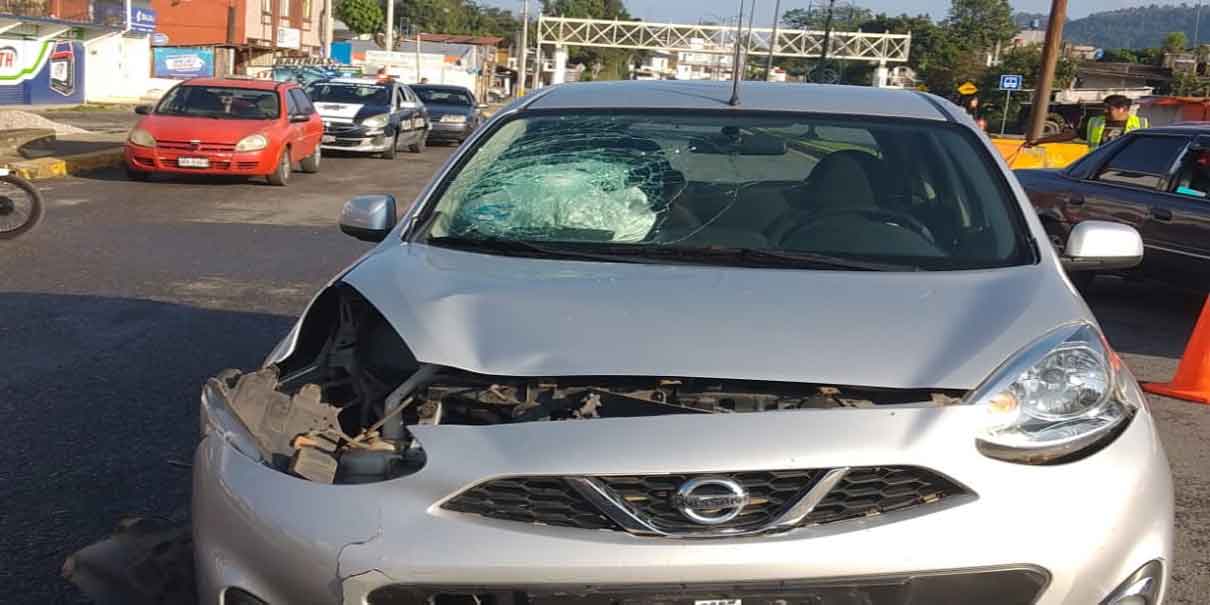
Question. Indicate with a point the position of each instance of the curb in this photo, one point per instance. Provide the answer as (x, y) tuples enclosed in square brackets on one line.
[(52, 167)]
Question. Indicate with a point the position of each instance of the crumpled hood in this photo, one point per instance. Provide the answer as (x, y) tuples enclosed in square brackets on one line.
[(539, 317)]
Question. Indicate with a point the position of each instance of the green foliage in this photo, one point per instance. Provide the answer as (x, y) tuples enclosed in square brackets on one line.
[(845, 19), (1141, 27), (1026, 62), (1190, 85), (455, 17), (980, 24), (1175, 41), (361, 16)]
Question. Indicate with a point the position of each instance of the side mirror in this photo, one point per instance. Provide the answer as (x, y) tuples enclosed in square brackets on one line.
[(1102, 246), (368, 217), (142, 109), (300, 117)]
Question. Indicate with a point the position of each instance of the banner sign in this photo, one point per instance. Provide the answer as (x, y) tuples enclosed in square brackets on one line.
[(182, 62), (21, 60), (142, 20), (289, 37)]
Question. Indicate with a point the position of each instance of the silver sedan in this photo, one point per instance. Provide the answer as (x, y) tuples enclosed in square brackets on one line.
[(636, 344)]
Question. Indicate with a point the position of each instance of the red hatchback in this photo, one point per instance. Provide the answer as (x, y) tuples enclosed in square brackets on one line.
[(227, 126)]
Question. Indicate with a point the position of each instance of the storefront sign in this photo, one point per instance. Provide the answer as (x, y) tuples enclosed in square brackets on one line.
[(183, 62), (289, 37), (21, 60), (142, 20)]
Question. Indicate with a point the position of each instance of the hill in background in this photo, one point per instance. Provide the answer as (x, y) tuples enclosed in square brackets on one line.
[(1141, 27)]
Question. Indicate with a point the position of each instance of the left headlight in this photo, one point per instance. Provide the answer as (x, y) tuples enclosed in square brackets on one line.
[(1062, 394), (252, 142), (452, 118), (377, 121)]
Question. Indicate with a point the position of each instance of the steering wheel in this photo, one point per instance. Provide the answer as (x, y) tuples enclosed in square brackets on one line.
[(886, 216)]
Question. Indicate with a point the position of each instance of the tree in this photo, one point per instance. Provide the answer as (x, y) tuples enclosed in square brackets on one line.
[(361, 16), (455, 17), (1175, 42), (978, 25), (845, 18)]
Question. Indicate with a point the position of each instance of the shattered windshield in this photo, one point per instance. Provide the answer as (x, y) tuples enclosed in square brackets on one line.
[(864, 193)]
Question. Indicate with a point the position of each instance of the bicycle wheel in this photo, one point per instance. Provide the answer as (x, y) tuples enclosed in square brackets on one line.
[(20, 206)]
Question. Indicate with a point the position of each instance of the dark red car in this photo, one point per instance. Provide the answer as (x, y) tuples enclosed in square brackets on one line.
[(1156, 180), (227, 126)]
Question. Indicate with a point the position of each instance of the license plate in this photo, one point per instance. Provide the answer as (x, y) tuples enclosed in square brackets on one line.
[(719, 602), (328, 139), (193, 162)]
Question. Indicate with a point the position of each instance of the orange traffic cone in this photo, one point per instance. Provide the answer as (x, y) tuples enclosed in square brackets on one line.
[(1192, 380)]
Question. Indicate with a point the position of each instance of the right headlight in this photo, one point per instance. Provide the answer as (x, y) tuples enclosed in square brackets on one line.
[(1063, 393), (141, 137)]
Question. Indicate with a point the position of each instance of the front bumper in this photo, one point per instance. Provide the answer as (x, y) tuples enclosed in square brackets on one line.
[(1083, 526), (357, 138), (449, 131), (155, 159)]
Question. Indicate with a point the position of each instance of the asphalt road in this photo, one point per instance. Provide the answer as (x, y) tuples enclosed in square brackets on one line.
[(130, 295)]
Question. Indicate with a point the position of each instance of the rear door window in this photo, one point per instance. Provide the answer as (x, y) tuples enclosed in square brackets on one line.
[(1144, 161), (291, 105), (301, 101)]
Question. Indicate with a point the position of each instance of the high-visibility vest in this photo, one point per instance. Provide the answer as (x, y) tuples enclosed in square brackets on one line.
[(1096, 128)]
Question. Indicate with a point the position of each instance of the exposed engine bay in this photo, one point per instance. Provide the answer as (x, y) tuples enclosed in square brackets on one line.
[(338, 410)]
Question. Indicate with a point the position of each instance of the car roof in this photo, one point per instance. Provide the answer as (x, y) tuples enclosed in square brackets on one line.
[(359, 81), (754, 96), (250, 83)]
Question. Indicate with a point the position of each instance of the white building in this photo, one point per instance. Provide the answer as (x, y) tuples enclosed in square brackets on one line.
[(657, 65), (704, 65)]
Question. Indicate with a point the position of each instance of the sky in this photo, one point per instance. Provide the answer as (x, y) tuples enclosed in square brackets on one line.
[(689, 11)]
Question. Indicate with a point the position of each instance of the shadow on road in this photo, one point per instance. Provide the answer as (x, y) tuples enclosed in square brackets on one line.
[(1145, 318), (100, 396)]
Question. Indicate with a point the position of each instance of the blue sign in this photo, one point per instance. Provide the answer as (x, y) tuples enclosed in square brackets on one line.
[(159, 39), (142, 20), (1012, 82), (182, 62)]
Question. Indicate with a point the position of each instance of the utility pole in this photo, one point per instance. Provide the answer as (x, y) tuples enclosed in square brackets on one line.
[(418, 76), (276, 24), (1050, 56), (1197, 26), (524, 47), (773, 41), (389, 43), (827, 41)]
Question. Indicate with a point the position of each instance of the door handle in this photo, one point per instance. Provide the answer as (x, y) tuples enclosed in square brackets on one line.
[(1161, 214)]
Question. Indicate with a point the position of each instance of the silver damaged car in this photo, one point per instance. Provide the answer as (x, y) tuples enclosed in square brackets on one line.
[(636, 344)]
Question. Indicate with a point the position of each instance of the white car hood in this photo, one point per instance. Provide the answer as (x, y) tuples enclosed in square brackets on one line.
[(537, 317)]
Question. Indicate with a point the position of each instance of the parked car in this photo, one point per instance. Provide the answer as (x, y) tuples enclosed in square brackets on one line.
[(454, 110), (370, 115), (639, 344), (1155, 180), (226, 126)]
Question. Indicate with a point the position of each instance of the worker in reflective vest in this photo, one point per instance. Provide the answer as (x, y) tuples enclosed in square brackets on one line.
[(1116, 122)]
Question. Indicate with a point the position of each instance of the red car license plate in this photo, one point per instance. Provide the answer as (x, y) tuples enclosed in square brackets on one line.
[(193, 162)]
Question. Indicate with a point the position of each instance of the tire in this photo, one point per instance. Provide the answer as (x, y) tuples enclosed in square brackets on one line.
[(20, 206), (311, 163), (393, 150), (281, 176), (420, 145), (137, 175)]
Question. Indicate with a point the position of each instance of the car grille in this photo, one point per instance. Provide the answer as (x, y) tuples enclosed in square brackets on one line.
[(847, 494), (189, 146), (246, 165), (1010, 585), (341, 129)]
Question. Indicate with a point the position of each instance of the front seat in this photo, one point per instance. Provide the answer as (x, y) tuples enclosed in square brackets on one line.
[(837, 212)]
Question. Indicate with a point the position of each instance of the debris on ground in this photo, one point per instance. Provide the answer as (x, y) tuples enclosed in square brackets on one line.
[(14, 118), (146, 561)]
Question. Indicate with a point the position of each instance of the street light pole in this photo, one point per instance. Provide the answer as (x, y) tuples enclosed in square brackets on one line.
[(773, 41), (827, 41), (1050, 56), (524, 46), (389, 43), (1197, 26)]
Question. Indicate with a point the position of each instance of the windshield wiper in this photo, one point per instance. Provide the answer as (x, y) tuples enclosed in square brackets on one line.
[(764, 257), (532, 249)]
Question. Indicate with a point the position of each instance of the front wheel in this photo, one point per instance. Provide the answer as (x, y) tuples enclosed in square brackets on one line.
[(311, 162), (20, 206), (391, 151), (281, 176), (419, 145)]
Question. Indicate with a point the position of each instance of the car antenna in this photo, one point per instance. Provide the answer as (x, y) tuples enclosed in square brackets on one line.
[(736, 73)]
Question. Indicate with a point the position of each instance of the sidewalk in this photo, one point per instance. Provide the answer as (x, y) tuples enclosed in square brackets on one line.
[(68, 154)]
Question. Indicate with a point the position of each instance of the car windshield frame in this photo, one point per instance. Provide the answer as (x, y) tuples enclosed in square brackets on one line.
[(161, 107), (1026, 251), (379, 88)]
